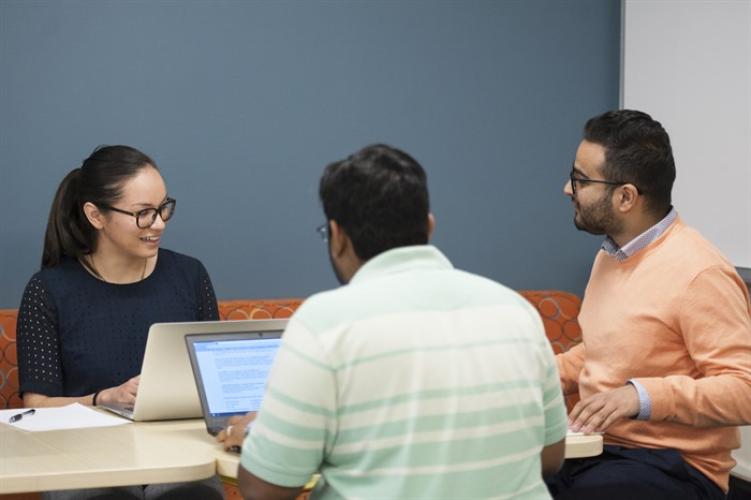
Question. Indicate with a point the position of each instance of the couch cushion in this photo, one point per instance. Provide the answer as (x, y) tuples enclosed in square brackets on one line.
[(258, 309), (558, 311), (8, 360)]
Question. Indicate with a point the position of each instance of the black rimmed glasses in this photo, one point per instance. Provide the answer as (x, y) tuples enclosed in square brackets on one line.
[(145, 218), (323, 231), (582, 180)]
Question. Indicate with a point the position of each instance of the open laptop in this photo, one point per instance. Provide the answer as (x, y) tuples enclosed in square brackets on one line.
[(167, 390), (231, 371)]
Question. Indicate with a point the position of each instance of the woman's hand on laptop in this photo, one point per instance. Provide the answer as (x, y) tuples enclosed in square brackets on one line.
[(233, 435), (124, 393)]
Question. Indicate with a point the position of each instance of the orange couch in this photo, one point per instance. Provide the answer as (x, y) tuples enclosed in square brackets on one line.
[(558, 310)]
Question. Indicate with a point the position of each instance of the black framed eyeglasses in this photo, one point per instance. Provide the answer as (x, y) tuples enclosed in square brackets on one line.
[(323, 231), (581, 180), (145, 218)]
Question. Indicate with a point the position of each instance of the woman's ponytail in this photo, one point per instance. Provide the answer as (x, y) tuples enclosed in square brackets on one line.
[(67, 232)]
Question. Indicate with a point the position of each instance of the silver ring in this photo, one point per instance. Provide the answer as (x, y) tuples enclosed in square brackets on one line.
[(229, 430)]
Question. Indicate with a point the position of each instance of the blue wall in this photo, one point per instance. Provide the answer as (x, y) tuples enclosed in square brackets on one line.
[(243, 103)]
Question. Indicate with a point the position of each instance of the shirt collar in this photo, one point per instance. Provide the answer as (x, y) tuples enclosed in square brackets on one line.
[(641, 241), (402, 259)]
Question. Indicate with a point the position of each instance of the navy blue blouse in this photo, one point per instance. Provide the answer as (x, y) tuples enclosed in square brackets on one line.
[(77, 334)]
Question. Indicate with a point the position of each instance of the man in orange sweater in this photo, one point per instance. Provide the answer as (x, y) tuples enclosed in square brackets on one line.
[(664, 369)]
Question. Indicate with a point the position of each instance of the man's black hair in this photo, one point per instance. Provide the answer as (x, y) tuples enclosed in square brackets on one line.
[(637, 151), (379, 197)]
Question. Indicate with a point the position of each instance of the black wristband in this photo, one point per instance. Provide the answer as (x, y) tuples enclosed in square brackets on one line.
[(93, 401)]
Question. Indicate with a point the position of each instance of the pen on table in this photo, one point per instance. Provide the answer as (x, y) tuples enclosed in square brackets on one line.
[(19, 416)]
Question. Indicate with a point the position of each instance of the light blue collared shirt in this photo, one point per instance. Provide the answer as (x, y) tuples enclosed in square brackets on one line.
[(641, 241), (623, 253)]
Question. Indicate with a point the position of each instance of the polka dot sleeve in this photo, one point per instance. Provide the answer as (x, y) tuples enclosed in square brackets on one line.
[(39, 363), (208, 310)]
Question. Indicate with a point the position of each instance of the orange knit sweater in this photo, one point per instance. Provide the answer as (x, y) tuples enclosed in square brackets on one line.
[(676, 317)]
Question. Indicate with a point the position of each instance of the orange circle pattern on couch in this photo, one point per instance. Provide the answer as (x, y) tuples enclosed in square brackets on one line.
[(558, 311)]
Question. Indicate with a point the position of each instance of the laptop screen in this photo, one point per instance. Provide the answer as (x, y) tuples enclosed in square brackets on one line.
[(232, 369)]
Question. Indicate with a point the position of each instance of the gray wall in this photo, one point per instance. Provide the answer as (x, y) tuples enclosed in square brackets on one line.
[(243, 103)]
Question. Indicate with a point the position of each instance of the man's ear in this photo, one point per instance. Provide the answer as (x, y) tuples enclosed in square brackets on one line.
[(338, 238), (627, 198), (431, 224), (95, 216)]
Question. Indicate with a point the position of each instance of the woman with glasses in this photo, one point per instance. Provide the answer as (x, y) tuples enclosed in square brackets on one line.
[(85, 315)]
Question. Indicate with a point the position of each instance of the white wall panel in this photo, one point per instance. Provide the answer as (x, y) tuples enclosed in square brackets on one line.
[(688, 64)]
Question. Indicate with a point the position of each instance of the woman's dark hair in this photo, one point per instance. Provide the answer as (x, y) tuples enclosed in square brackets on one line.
[(98, 180), (379, 196)]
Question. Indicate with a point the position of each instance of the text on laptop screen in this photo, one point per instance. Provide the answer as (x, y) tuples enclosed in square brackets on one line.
[(234, 372)]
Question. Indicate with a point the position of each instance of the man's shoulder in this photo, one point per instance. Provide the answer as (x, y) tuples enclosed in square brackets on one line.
[(324, 306), (688, 249), (465, 288), (451, 291), (682, 250)]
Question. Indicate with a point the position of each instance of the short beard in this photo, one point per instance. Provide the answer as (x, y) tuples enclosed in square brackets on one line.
[(598, 218)]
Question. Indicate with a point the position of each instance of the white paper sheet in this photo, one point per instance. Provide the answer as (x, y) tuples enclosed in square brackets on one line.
[(73, 416)]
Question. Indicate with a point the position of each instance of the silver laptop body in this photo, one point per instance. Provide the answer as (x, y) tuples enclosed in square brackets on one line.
[(167, 389)]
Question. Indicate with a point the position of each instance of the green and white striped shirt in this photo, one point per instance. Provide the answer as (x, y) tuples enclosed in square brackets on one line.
[(415, 380)]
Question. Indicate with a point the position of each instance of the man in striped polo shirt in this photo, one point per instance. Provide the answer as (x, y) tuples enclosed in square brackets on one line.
[(664, 368), (414, 380)]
